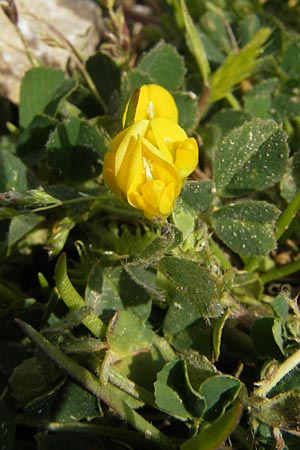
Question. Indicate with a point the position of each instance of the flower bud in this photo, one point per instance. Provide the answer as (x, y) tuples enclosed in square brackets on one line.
[(149, 101)]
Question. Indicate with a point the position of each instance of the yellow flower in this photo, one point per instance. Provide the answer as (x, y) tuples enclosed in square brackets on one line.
[(149, 101), (147, 163)]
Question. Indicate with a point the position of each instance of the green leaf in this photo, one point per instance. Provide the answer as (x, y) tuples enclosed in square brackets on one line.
[(195, 44), (227, 119), (32, 141), (259, 100), (72, 345), (71, 320), (76, 150), (216, 433), (132, 345), (247, 285), (213, 52), (174, 393), (105, 75), (135, 297), (111, 289), (250, 158), (16, 203), (197, 337), (42, 90), (170, 238), (266, 335), (291, 59), (280, 307), (286, 105), (129, 334), (187, 104), (13, 173), (164, 66), (214, 23), (133, 80), (238, 66), (217, 334), (102, 290), (277, 333), (290, 182), (179, 316), (194, 283), (22, 225), (197, 196), (219, 392), (73, 403), (27, 382), (247, 227), (73, 300), (146, 279)]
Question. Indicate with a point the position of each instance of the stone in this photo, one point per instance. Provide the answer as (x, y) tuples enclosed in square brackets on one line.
[(50, 30)]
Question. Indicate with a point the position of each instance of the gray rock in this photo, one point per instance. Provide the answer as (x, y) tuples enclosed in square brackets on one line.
[(50, 28)]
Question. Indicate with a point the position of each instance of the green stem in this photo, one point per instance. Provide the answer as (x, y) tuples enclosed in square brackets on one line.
[(73, 300), (233, 101), (287, 216), (220, 255), (287, 366), (102, 391), (130, 387), (280, 272), (101, 430), (252, 263)]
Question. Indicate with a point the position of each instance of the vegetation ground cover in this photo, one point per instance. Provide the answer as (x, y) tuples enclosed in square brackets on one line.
[(120, 331)]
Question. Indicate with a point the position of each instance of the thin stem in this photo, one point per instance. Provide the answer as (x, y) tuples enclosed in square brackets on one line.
[(203, 102), (287, 216), (252, 263), (287, 366), (130, 387), (280, 272), (233, 101), (220, 255), (101, 430), (104, 392)]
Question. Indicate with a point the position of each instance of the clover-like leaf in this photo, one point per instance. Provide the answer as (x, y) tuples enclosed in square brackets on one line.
[(250, 158), (195, 284), (42, 90), (247, 227)]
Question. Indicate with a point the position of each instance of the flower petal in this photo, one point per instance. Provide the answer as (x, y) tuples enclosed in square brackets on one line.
[(186, 158), (152, 101)]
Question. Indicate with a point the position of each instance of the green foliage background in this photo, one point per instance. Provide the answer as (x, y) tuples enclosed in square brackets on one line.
[(120, 333)]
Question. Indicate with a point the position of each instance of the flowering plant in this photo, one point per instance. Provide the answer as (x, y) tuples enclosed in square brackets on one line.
[(121, 329), (149, 159)]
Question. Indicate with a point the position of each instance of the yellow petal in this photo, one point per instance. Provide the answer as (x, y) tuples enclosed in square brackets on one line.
[(168, 196), (109, 173), (186, 158), (121, 141), (152, 101), (166, 135), (151, 191), (131, 166), (162, 169), (155, 199)]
